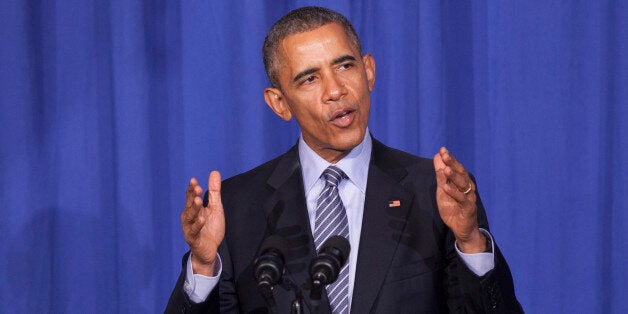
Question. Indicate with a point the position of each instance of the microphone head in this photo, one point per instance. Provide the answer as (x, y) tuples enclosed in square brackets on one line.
[(338, 246), (275, 243), (333, 254), (270, 260)]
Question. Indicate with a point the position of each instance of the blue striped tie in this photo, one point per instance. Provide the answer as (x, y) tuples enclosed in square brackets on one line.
[(331, 219)]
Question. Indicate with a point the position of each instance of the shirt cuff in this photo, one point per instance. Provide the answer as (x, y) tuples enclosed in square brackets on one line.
[(479, 263), (198, 286)]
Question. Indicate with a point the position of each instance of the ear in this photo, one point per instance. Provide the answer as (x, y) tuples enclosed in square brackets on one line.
[(369, 67), (274, 99)]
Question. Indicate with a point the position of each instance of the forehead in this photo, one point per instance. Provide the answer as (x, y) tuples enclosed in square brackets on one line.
[(312, 47)]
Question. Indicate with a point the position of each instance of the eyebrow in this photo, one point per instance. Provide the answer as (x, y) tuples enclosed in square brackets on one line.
[(304, 73), (312, 70), (343, 59)]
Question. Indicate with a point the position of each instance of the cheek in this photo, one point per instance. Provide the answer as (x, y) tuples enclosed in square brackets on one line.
[(310, 116), (358, 84)]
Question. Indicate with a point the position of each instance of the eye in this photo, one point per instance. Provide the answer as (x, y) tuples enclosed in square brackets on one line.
[(346, 66), (307, 80)]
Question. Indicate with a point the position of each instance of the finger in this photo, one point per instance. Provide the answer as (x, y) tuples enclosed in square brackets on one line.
[(441, 178), (190, 213), (452, 191), (461, 180), (451, 161), (466, 201), (455, 171), (189, 193), (195, 226), (214, 184), (438, 160)]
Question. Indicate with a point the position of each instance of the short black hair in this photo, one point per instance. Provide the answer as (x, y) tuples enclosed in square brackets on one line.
[(298, 21)]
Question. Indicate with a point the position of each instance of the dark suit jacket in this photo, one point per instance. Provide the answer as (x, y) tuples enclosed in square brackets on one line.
[(406, 259)]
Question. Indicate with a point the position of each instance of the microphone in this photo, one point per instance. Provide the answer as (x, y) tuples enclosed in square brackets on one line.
[(325, 268), (269, 266)]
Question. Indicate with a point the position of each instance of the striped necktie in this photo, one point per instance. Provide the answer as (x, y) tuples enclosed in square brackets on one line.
[(331, 219)]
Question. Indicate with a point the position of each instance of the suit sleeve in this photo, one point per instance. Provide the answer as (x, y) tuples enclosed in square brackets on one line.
[(223, 299), (179, 301), (468, 293)]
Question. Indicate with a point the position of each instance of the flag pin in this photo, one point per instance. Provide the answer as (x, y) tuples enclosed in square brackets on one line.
[(395, 203)]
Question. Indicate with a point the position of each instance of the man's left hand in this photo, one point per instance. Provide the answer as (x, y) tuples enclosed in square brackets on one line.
[(456, 199)]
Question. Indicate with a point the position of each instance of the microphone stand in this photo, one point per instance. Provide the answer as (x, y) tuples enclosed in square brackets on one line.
[(297, 304), (266, 291), (315, 295)]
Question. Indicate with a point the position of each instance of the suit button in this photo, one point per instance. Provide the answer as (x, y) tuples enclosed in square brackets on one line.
[(494, 296)]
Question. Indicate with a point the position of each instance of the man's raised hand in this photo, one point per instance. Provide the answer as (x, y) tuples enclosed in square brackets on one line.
[(203, 227), (456, 199)]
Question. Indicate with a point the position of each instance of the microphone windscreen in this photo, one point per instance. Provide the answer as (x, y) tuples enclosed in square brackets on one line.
[(274, 242), (339, 243)]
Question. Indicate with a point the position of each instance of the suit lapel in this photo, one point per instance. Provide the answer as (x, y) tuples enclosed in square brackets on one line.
[(378, 241)]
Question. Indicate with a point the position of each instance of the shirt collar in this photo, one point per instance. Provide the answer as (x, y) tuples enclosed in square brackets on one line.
[(355, 164)]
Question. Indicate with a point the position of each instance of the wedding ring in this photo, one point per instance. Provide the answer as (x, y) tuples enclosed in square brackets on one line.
[(468, 189)]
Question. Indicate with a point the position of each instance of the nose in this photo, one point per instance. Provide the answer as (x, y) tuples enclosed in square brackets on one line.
[(334, 88)]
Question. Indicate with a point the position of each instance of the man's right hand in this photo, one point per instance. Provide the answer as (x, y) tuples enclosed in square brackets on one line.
[(203, 227)]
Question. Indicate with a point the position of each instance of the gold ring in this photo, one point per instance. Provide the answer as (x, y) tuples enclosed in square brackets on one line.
[(468, 189)]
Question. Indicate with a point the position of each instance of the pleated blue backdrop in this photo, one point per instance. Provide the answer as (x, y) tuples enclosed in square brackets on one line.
[(109, 107)]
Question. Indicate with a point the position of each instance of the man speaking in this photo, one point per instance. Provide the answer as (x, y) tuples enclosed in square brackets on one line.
[(416, 228)]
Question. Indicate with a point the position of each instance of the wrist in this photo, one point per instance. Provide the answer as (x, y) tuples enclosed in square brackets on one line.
[(475, 243), (200, 267)]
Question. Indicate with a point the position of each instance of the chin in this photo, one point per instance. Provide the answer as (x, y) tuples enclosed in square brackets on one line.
[(349, 141)]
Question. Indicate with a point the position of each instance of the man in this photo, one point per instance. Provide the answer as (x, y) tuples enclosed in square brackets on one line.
[(417, 229)]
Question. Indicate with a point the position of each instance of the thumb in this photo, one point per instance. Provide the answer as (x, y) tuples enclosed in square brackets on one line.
[(214, 185), (439, 168), (438, 159), (441, 179)]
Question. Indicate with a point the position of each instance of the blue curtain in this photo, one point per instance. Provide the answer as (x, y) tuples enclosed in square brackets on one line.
[(109, 107)]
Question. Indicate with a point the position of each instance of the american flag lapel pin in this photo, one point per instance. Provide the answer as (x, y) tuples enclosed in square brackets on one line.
[(394, 203)]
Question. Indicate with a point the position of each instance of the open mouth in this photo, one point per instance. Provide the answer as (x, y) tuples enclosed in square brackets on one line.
[(343, 114), (344, 118)]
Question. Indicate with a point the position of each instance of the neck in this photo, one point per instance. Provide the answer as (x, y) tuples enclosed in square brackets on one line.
[(333, 156)]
